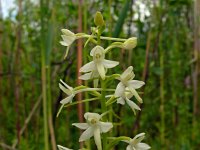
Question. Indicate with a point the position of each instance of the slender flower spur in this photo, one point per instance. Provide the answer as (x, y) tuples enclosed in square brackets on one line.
[(98, 66), (135, 143), (126, 80), (93, 127)]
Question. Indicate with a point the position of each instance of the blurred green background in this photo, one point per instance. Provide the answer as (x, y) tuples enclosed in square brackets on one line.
[(167, 58)]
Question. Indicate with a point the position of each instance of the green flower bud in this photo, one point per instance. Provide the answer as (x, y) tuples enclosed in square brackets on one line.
[(98, 19), (130, 43)]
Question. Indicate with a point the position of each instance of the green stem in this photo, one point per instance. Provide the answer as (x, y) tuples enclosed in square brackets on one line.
[(86, 100), (44, 80), (103, 110), (102, 38)]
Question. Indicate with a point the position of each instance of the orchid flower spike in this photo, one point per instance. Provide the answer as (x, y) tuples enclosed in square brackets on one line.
[(98, 66), (126, 80), (135, 143), (93, 127)]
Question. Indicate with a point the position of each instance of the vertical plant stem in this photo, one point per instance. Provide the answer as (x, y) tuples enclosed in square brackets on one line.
[(110, 54), (17, 69), (85, 52), (162, 107), (103, 109), (196, 71), (43, 77), (1, 48), (48, 48), (79, 64)]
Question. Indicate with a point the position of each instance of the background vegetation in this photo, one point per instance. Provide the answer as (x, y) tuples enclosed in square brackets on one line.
[(167, 58)]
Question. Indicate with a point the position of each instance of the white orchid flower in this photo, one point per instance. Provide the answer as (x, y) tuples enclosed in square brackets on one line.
[(68, 38), (98, 66), (93, 127), (135, 143), (69, 91), (124, 97), (63, 148), (126, 79)]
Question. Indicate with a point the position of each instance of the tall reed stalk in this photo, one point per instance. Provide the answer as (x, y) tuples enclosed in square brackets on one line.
[(196, 70), (17, 69), (162, 98), (43, 77), (1, 49)]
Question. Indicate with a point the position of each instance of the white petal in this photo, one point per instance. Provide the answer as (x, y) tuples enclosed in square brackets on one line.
[(67, 32), (132, 105), (120, 101), (89, 115), (99, 48), (120, 89), (68, 39), (63, 148), (101, 70), (136, 84), (138, 138), (66, 85), (88, 67), (139, 135), (86, 76), (64, 43), (97, 138), (105, 126), (109, 63), (143, 146), (81, 125), (68, 92), (67, 100), (87, 134), (127, 71), (134, 92), (129, 147)]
